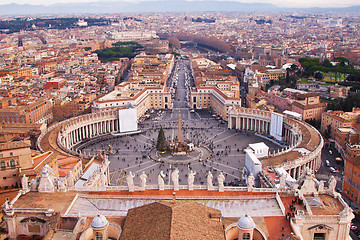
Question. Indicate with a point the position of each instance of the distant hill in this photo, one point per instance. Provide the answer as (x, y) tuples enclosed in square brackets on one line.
[(128, 7), (153, 6)]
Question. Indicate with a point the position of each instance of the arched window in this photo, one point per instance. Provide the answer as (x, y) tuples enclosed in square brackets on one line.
[(12, 163), (2, 164), (98, 236), (246, 236)]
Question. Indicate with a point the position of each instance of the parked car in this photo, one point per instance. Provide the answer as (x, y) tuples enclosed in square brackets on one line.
[(340, 191), (332, 169), (327, 163), (330, 151)]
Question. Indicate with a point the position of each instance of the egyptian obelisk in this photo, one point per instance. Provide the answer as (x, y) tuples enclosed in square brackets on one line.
[(179, 128)]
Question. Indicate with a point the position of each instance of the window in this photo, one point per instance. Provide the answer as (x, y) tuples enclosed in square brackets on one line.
[(246, 236), (12, 163), (98, 236), (2, 164), (11, 154), (319, 236)]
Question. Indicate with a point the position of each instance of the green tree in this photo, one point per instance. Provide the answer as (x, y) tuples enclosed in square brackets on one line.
[(327, 132), (319, 75), (161, 145)]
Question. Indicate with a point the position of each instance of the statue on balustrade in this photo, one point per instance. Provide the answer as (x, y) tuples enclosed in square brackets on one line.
[(210, 185), (161, 180), (221, 180), (191, 179), (143, 179), (175, 179), (130, 181)]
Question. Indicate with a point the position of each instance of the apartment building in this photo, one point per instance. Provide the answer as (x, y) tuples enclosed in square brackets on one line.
[(215, 87), (27, 111), (351, 181), (338, 119), (13, 156)]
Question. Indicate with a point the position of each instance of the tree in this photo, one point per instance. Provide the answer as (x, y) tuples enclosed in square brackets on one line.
[(327, 133), (161, 145), (319, 75), (294, 68)]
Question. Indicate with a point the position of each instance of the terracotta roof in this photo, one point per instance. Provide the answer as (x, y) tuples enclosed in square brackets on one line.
[(59, 201), (14, 145), (168, 220), (309, 106)]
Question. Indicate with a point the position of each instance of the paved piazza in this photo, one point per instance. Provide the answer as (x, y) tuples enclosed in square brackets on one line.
[(131, 153)]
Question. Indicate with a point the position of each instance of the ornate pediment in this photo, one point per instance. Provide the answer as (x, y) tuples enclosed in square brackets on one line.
[(321, 227)]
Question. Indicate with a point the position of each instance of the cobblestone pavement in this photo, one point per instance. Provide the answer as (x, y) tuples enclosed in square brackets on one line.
[(199, 127)]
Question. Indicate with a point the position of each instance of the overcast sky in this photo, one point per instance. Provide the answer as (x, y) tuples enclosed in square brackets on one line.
[(280, 3)]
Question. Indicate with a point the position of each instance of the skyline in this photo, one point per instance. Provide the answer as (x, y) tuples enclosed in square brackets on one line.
[(278, 3)]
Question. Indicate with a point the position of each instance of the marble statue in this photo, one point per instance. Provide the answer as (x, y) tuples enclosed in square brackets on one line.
[(210, 185), (221, 180), (103, 178), (175, 179), (282, 181), (61, 186), (243, 174), (309, 185), (130, 181), (24, 183), (250, 181), (332, 184), (46, 182), (70, 180), (191, 179), (143, 179), (161, 180), (6, 204), (33, 185)]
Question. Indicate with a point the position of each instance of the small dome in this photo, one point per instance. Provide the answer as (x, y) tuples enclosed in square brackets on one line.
[(245, 223), (99, 222)]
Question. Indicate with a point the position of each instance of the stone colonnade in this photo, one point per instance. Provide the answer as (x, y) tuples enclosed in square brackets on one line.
[(87, 127), (259, 121)]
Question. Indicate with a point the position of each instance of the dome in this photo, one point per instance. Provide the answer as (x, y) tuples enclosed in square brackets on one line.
[(99, 222), (245, 223)]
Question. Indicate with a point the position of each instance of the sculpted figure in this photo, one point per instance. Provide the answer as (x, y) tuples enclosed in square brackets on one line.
[(250, 181), (61, 186), (283, 181), (191, 179), (130, 181), (143, 179), (210, 185), (161, 180), (221, 180), (24, 183), (70, 180), (332, 184), (175, 179), (33, 185), (103, 178)]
